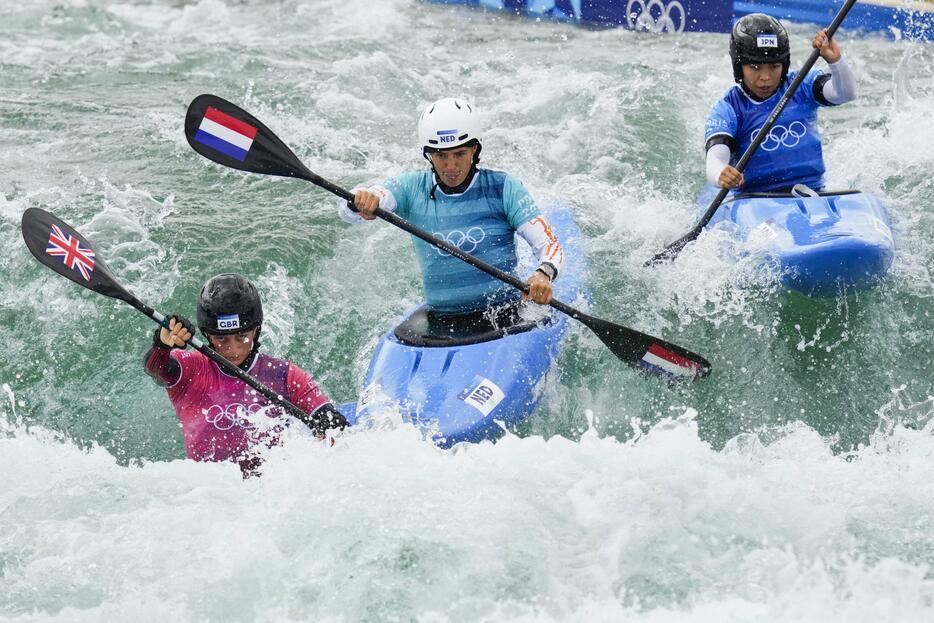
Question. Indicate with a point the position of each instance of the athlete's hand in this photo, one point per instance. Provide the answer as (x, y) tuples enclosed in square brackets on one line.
[(178, 334), (730, 178), (829, 50), (539, 288), (366, 204)]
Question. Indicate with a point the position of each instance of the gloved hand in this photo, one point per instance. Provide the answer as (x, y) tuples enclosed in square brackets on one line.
[(178, 334)]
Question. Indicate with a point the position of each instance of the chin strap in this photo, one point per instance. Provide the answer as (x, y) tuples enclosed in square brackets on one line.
[(245, 366), (249, 359)]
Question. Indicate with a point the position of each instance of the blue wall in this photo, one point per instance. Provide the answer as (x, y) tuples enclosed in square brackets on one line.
[(650, 15), (866, 15), (717, 15)]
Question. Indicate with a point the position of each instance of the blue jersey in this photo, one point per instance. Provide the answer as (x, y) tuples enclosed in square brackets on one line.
[(482, 221), (791, 154)]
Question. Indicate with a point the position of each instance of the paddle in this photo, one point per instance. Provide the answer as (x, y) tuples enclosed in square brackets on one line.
[(223, 132), (672, 250), (58, 246)]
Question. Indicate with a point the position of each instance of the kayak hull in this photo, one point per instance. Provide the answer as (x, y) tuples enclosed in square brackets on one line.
[(471, 390)]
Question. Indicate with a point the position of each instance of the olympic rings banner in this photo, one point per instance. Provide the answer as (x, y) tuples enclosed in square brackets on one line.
[(660, 16), (908, 19)]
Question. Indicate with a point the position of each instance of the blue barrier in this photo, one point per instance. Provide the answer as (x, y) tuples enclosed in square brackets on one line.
[(903, 20), (896, 18), (647, 15)]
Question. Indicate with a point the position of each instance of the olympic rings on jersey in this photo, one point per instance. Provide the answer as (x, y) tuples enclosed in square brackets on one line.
[(656, 16), (465, 241), (225, 418), (780, 136)]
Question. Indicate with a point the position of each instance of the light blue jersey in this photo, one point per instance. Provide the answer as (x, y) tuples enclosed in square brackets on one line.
[(791, 154), (482, 221)]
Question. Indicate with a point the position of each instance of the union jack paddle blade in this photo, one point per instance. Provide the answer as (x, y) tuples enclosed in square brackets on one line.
[(59, 246), (68, 248)]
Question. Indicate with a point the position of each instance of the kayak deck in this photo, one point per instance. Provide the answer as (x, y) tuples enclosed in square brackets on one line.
[(825, 244)]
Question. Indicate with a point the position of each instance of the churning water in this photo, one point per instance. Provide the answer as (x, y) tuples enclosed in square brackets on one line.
[(794, 484)]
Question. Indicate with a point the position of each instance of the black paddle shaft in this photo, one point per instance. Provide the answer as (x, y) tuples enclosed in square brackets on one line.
[(675, 247), (58, 246), (628, 344)]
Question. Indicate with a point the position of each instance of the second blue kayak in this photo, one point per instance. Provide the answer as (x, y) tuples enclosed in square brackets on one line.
[(826, 244)]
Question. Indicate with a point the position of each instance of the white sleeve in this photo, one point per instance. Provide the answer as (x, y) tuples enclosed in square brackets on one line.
[(386, 201), (841, 88), (541, 237), (718, 157)]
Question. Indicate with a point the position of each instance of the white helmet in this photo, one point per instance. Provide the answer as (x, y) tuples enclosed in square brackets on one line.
[(448, 123)]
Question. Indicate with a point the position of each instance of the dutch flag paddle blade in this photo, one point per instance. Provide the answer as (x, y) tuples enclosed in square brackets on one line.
[(227, 135)]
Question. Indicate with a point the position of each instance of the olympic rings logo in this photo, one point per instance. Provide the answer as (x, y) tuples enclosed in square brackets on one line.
[(465, 241), (225, 418), (656, 16), (780, 136)]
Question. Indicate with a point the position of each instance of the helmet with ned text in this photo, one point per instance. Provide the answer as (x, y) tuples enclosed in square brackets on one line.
[(448, 123)]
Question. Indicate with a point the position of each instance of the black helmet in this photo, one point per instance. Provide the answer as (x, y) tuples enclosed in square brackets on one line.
[(229, 303), (759, 38)]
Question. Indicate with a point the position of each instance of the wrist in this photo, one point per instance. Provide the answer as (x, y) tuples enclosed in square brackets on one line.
[(157, 340), (548, 270)]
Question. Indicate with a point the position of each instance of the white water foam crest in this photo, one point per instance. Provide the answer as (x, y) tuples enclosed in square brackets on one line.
[(646, 531), (280, 291), (122, 232), (891, 157)]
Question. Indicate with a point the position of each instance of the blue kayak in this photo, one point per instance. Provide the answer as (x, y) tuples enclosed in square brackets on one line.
[(825, 244), (465, 377)]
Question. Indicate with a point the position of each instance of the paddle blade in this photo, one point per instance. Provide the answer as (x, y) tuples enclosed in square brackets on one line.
[(56, 244), (225, 133), (648, 353)]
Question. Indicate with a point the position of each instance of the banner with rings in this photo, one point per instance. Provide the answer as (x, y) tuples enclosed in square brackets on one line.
[(655, 16), (903, 19)]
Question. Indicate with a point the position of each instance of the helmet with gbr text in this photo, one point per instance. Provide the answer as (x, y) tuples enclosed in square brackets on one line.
[(229, 303)]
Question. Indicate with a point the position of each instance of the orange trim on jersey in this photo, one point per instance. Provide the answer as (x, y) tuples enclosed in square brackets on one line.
[(547, 228)]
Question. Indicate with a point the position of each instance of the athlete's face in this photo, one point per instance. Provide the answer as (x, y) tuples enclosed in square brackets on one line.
[(453, 165), (235, 347), (762, 79)]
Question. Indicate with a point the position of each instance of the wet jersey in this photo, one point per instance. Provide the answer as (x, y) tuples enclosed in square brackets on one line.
[(481, 221), (791, 154), (218, 412)]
